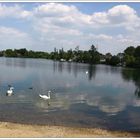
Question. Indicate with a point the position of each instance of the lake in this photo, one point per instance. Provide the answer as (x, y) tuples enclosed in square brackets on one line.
[(105, 97)]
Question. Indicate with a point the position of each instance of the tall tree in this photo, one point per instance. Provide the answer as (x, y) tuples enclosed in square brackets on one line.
[(129, 51), (137, 52)]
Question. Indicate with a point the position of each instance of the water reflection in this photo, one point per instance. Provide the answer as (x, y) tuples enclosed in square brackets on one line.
[(12, 62), (69, 67), (137, 92), (54, 66), (60, 67), (105, 97), (92, 71), (133, 75), (109, 105), (75, 68)]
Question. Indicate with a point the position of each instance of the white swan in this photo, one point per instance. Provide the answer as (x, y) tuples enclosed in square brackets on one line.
[(86, 72), (45, 97), (10, 91)]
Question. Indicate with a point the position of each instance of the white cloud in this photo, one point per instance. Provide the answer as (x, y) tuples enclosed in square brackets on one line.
[(101, 36), (56, 24), (61, 12), (13, 38), (13, 11), (122, 11), (11, 31), (120, 15), (100, 17), (54, 10), (68, 23)]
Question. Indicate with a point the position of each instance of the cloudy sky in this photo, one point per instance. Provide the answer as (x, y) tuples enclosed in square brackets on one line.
[(42, 26)]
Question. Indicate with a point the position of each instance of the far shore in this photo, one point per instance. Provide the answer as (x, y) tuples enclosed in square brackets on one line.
[(14, 130)]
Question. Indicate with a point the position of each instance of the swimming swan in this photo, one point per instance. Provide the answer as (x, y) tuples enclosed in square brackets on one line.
[(86, 72), (10, 91), (45, 97)]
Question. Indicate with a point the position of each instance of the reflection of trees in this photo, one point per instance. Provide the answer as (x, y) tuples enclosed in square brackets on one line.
[(137, 92), (60, 66), (134, 75), (54, 66), (75, 68), (115, 70), (20, 62), (8, 62), (92, 71), (16, 62), (69, 67)]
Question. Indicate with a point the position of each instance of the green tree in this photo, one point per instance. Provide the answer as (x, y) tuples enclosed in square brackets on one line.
[(137, 56), (137, 52), (129, 60), (94, 55), (21, 52), (69, 54), (129, 51), (10, 53), (114, 60), (1, 53)]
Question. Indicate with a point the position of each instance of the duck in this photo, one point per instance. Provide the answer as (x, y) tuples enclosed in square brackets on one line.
[(45, 97), (30, 87), (10, 91)]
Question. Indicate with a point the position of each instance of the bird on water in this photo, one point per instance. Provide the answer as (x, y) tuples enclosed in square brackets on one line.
[(10, 91), (45, 97)]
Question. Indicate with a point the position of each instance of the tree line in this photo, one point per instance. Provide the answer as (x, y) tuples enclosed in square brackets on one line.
[(130, 57)]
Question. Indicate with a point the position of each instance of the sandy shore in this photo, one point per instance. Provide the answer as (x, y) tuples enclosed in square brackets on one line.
[(13, 130)]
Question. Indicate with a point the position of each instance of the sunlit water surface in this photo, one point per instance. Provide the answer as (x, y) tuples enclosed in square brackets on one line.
[(107, 97)]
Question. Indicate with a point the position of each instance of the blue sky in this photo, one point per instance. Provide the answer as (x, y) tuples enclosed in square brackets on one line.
[(102, 6), (111, 26)]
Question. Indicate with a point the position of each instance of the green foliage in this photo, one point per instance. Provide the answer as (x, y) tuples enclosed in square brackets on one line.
[(94, 55), (137, 52), (130, 57), (21, 52), (24, 53), (1, 53), (129, 51), (114, 61), (129, 60), (132, 74), (10, 53), (91, 56), (137, 62)]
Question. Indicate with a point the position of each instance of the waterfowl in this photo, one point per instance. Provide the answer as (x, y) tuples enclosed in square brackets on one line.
[(30, 87), (45, 97), (86, 72), (10, 91)]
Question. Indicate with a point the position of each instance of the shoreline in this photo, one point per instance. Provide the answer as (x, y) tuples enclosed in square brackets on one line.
[(16, 130)]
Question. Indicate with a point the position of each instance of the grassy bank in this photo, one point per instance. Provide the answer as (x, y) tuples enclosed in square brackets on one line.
[(14, 130)]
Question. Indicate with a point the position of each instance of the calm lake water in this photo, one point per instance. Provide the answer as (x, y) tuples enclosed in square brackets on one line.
[(107, 97)]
